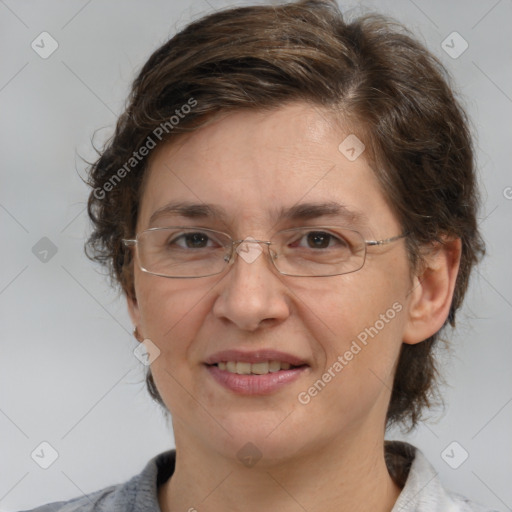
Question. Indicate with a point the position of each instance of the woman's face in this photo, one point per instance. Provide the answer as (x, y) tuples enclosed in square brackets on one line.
[(344, 331)]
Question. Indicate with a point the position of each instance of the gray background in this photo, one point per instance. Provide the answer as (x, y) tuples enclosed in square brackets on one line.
[(67, 372)]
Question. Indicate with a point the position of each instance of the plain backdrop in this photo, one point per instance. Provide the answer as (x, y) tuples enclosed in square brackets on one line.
[(68, 375)]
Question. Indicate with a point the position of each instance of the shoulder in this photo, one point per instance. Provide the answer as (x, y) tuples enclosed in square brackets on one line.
[(140, 493), (422, 490), (100, 500)]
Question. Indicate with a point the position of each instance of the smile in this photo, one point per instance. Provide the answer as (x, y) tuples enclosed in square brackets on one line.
[(256, 372), (260, 368)]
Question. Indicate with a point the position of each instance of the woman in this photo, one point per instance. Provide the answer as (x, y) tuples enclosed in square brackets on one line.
[(289, 205)]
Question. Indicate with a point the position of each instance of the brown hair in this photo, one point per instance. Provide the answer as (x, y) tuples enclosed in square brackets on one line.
[(368, 72)]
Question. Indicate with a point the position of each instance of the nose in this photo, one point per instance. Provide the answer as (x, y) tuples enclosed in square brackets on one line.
[(253, 293)]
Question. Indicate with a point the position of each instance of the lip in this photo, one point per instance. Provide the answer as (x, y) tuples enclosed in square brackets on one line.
[(255, 384), (255, 356)]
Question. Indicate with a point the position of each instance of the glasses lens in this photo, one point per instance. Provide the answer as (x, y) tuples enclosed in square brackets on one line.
[(318, 251), (182, 252), (198, 252)]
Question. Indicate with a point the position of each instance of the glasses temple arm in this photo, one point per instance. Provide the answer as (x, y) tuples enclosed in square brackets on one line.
[(386, 240)]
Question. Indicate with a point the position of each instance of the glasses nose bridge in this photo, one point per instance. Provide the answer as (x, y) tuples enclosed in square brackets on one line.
[(235, 244), (249, 239)]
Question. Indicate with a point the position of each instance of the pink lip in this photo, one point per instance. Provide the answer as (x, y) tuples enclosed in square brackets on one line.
[(255, 384), (254, 357)]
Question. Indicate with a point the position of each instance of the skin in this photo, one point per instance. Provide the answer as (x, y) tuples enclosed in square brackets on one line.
[(326, 455)]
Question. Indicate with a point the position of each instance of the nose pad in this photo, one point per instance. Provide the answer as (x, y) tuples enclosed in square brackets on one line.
[(249, 249)]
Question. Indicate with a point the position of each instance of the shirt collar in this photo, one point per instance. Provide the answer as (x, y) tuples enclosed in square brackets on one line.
[(421, 488)]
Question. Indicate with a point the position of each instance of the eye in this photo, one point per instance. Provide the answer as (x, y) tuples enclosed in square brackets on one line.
[(323, 240), (196, 240)]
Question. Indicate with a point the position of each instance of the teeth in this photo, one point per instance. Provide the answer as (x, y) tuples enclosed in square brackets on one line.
[(261, 368), (274, 366), (243, 368)]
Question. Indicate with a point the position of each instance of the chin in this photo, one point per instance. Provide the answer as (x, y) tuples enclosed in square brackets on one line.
[(262, 439)]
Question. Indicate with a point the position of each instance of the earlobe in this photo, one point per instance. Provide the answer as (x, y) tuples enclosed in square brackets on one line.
[(432, 291)]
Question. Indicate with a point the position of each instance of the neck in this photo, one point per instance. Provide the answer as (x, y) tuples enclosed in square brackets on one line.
[(342, 479)]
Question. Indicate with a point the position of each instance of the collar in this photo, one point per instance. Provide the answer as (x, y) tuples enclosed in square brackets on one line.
[(422, 490)]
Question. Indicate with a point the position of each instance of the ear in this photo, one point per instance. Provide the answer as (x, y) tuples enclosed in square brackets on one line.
[(133, 309), (432, 291)]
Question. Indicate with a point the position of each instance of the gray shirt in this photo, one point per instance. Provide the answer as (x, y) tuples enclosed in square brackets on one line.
[(421, 488)]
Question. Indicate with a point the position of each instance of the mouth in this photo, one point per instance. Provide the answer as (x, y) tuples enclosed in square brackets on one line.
[(260, 368), (255, 373)]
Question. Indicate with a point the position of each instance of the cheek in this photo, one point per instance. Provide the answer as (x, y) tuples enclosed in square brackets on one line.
[(351, 304), (357, 329), (358, 338), (171, 313)]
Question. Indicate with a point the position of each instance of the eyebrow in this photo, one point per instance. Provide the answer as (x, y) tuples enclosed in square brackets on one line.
[(302, 211)]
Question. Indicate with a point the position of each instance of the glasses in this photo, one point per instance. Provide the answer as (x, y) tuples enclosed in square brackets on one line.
[(185, 252)]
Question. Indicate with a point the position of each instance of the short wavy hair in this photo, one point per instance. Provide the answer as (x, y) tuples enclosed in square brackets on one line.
[(370, 73)]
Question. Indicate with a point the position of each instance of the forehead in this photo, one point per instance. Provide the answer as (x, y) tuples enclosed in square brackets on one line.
[(253, 166)]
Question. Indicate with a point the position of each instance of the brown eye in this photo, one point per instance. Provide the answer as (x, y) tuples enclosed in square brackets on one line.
[(322, 240), (196, 240), (318, 239)]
